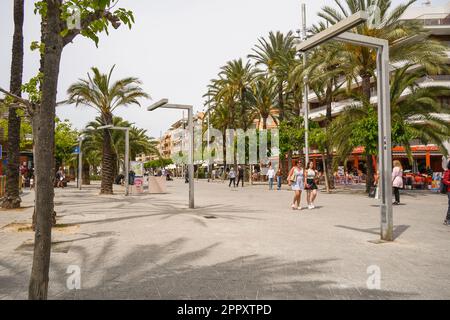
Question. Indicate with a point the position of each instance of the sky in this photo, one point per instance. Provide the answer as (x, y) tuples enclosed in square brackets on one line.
[(175, 48)]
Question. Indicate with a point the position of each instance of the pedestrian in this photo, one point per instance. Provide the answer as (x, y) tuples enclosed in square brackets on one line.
[(271, 176), (296, 179), (60, 177), (32, 182), (397, 180), (279, 179), (240, 176), (311, 185), (446, 181), (131, 177), (232, 177)]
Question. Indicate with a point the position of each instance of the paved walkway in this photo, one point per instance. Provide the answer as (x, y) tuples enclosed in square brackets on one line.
[(239, 244)]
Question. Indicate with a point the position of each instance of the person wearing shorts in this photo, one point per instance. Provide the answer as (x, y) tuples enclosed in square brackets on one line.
[(311, 185), (296, 181)]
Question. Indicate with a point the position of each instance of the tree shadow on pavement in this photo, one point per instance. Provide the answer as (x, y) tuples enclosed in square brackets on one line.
[(169, 272), (398, 230)]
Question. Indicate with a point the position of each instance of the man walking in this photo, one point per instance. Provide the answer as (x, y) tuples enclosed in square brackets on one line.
[(240, 176), (270, 176)]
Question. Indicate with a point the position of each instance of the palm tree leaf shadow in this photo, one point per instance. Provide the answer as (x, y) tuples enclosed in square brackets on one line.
[(168, 272)]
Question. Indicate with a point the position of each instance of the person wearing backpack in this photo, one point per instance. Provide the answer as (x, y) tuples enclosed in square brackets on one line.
[(445, 188)]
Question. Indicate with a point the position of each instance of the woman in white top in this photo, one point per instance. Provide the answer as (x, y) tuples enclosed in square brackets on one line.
[(296, 180), (397, 180), (311, 186)]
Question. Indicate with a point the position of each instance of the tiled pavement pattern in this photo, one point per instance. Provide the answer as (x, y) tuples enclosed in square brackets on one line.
[(239, 244)]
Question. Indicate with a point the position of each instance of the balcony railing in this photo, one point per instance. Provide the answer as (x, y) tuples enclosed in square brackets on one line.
[(434, 20)]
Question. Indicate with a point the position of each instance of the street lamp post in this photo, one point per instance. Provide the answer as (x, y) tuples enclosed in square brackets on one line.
[(164, 103), (80, 162), (127, 152), (339, 32), (306, 88)]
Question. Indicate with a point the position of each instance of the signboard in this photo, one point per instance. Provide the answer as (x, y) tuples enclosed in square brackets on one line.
[(139, 185), (76, 150), (436, 182)]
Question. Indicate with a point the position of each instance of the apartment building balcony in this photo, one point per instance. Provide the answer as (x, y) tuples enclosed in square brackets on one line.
[(319, 113)]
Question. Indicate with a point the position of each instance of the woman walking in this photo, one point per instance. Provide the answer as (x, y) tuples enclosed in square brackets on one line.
[(232, 176), (446, 181), (296, 179), (311, 186), (397, 180)]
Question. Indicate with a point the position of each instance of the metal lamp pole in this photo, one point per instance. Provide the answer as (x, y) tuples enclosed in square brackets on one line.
[(306, 93), (339, 32), (164, 103)]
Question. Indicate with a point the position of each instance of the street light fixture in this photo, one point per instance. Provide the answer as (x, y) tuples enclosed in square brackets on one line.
[(339, 32), (164, 103), (127, 152)]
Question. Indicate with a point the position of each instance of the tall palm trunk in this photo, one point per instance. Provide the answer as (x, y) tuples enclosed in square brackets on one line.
[(12, 199), (281, 100), (108, 159), (224, 148), (329, 118), (265, 123), (370, 172), (365, 87), (44, 125)]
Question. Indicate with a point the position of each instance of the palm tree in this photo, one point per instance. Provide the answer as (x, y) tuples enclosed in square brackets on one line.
[(416, 116), (264, 99), (12, 198), (277, 55), (221, 120), (99, 93), (139, 142)]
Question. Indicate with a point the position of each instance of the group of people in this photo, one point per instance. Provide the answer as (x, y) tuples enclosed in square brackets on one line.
[(300, 180), (232, 177)]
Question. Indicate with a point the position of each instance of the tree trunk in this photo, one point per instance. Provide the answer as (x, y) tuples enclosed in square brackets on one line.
[(264, 123), (329, 169), (327, 174), (365, 87), (85, 176), (12, 198), (108, 159), (44, 169), (280, 101), (370, 172)]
